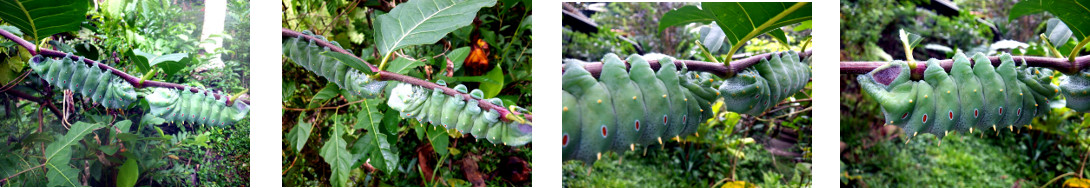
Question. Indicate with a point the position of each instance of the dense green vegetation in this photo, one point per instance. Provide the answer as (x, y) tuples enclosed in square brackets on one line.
[(1053, 147), (54, 139), (482, 44), (729, 149)]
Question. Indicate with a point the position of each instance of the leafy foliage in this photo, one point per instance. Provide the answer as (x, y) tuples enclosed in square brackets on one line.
[(94, 146), (379, 143), (40, 19)]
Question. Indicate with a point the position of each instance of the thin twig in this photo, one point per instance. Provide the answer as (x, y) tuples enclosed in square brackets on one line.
[(135, 81), (719, 69), (1059, 64), (5, 180), (324, 108)]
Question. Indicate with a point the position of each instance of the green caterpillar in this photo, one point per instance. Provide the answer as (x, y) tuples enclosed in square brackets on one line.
[(455, 112), (90, 81), (201, 108), (1076, 89), (623, 108), (969, 97), (307, 54)]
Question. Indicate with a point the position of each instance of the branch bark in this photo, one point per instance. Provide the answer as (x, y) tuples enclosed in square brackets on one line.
[(135, 81), (719, 69), (42, 103), (1059, 64), (386, 76)]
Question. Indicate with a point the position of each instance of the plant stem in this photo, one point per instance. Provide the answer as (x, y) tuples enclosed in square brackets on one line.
[(719, 69), (1051, 47), (125, 76), (1057, 178), (1075, 51), (1059, 64), (5, 180)]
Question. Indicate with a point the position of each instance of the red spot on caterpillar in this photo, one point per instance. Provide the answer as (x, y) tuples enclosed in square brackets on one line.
[(976, 112), (904, 116), (1000, 110), (925, 118), (565, 140), (604, 133), (950, 114), (637, 125), (1019, 112), (664, 119)]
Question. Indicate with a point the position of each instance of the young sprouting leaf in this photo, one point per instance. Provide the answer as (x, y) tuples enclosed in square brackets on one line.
[(493, 89), (171, 63)]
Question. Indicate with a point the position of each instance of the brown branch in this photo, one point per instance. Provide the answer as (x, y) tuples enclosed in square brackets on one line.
[(5, 180), (1059, 64), (135, 81), (41, 102), (384, 75), (719, 69)]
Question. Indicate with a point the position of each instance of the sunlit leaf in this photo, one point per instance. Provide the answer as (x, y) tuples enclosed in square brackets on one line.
[(423, 22), (43, 18), (128, 173)]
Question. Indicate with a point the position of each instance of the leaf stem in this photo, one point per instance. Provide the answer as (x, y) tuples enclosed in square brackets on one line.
[(1075, 51), (1051, 47), (1057, 178), (738, 44)]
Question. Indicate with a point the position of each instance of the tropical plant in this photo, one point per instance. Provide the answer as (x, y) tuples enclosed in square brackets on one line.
[(74, 64), (349, 117)]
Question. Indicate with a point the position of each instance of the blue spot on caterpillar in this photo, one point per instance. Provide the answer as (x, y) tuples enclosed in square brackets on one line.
[(637, 105), (979, 97), (455, 112), (307, 54), (91, 81), (200, 108)]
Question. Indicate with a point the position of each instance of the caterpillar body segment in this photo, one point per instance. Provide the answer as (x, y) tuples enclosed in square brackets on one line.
[(984, 97), (630, 105), (200, 108), (456, 112), (90, 81), (307, 54)]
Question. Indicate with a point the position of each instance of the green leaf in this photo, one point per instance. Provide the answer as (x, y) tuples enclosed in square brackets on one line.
[(58, 154), (128, 173), (1072, 12), (741, 21), (42, 18), (349, 60), (331, 89), (423, 22), (712, 37), (1058, 33), (145, 61), (684, 15), (779, 35), (804, 26), (910, 40), (369, 115), (382, 157), (458, 57), (335, 153), (402, 65), (300, 134), (493, 89), (439, 139)]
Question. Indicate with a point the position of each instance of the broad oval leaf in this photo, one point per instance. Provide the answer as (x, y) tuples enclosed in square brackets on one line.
[(741, 21), (335, 153), (369, 115), (42, 18), (59, 153), (423, 22), (128, 173), (1074, 13)]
